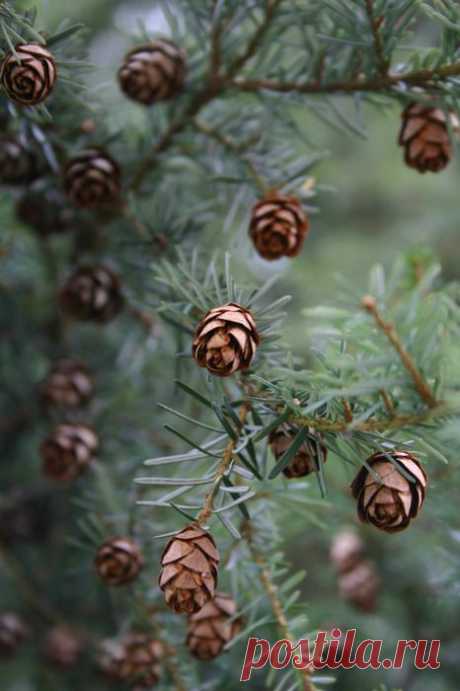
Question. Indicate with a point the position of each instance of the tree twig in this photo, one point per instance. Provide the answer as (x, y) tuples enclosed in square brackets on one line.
[(375, 23), (369, 303)]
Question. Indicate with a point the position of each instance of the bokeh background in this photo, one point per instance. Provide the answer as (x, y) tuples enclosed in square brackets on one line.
[(371, 207)]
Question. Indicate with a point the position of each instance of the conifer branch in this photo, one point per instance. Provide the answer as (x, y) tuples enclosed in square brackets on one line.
[(375, 23), (208, 505), (275, 602), (370, 304)]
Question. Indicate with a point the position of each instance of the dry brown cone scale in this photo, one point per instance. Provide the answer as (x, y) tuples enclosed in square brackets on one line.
[(68, 451), (28, 75), (226, 340), (210, 629), (92, 293), (92, 179), (153, 72), (189, 564), (118, 561), (68, 384), (307, 458), (278, 226), (386, 498), (425, 137)]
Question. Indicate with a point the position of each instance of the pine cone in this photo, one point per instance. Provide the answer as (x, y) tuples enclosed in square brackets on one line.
[(361, 586), (391, 504), (425, 138), (141, 660), (46, 212), (346, 550), (306, 460), (119, 560), (225, 340), (188, 574), (30, 80), (18, 166), (63, 646), (278, 226), (68, 451), (13, 632), (110, 658), (92, 294), (210, 629), (154, 72), (68, 384), (92, 179)]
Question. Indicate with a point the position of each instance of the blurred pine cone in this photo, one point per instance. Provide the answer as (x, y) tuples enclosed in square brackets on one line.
[(226, 340), (68, 451), (346, 550), (92, 294), (360, 586), (68, 384), (212, 627), (63, 646), (31, 80), (92, 179), (393, 502), (141, 664), (153, 72), (18, 166), (46, 211), (306, 459), (119, 561), (278, 226), (189, 565), (425, 137), (110, 658), (13, 632)]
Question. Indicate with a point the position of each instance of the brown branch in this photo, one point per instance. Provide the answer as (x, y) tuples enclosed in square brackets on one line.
[(347, 411), (375, 23), (424, 77), (275, 602), (388, 403), (208, 505), (369, 303)]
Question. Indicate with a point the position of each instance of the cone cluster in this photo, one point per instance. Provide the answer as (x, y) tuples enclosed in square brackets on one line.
[(278, 226), (92, 293), (68, 451), (225, 340), (188, 575), (307, 458), (387, 498), (118, 561), (68, 384), (358, 580), (153, 72), (92, 179), (28, 75)]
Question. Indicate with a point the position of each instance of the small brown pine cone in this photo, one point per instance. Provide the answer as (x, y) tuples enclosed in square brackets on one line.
[(225, 340), (28, 76), (92, 179), (278, 226), (119, 561), (142, 656), (63, 646), (391, 503), (110, 658), (12, 633), (188, 574), (360, 586), (346, 550), (46, 211), (68, 451), (17, 164), (306, 460), (210, 629), (68, 384), (92, 294), (153, 72), (425, 137)]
